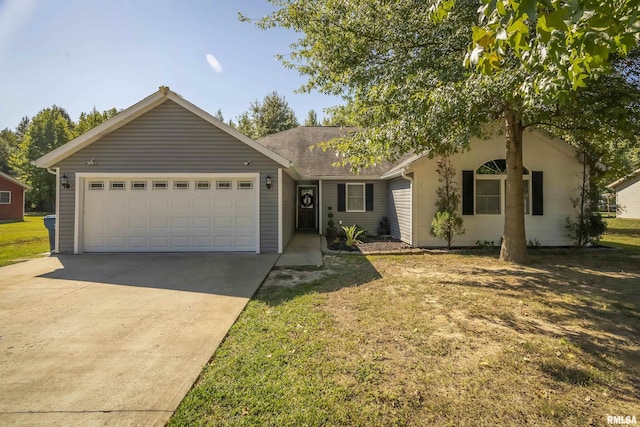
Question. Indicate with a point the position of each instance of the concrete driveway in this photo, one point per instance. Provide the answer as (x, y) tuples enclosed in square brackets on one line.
[(114, 339)]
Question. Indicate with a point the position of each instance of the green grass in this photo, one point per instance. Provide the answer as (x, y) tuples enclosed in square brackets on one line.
[(415, 340), (23, 240), (622, 233)]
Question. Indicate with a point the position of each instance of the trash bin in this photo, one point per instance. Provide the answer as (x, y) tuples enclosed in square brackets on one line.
[(50, 224)]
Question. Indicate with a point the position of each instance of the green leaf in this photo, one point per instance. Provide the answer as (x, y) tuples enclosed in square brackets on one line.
[(555, 21), (528, 7)]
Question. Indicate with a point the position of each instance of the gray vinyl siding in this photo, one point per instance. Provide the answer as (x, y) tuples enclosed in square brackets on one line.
[(288, 209), (171, 139), (400, 209), (370, 221)]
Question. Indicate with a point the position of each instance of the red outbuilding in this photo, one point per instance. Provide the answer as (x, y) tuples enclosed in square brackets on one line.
[(11, 198)]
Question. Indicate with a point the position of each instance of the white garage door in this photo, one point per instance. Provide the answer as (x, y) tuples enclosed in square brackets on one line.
[(169, 214)]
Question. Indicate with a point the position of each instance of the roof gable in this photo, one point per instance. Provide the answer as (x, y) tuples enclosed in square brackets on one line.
[(625, 181), (14, 181), (137, 110)]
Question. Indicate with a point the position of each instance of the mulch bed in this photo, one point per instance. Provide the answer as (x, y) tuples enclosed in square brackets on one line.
[(370, 244)]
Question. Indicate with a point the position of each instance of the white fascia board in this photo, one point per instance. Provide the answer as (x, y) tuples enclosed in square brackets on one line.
[(167, 175), (616, 183), (343, 178)]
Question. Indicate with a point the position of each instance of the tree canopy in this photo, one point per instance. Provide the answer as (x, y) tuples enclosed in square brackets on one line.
[(271, 115), (46, 131), (312, 119), (403, 76), (35, 137)]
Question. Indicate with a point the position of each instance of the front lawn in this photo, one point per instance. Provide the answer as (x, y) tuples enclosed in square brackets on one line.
[(23, 240), (416, 340), (622, 233)]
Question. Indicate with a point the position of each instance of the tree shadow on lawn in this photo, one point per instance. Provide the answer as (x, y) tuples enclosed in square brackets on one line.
[(591, 299), (340, 271)]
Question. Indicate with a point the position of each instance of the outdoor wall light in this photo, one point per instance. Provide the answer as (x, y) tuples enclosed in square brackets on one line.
[(268, 182), (64, 182)]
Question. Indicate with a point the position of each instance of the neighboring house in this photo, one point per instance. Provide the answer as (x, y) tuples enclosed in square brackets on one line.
[(11, 198), (627, 195), (166, 176)]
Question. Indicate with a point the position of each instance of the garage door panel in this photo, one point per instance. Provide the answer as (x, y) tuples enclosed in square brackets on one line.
[(202, 222), (246, 242), (159, 223), (180, 242), (166, 220), (116, 242), (138, 242), (138, 223), (202, 242), (159, 242), (202, 204), (184, 222)]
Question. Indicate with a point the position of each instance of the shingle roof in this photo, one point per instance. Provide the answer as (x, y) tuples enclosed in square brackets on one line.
[(298, 144)]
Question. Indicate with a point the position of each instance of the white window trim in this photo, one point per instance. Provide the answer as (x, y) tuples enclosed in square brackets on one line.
[(134, 188), (503, 192), (91, 188), (224, 181), (198, 183), (159, 181), (364, 196), (111, 185), (9, 193), (176, 184)]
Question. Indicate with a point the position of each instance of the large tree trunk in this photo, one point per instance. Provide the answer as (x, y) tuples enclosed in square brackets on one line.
[(514, 243)]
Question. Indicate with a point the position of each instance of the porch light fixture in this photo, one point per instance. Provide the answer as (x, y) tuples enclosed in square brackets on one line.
[(64, 182), (268, 182)]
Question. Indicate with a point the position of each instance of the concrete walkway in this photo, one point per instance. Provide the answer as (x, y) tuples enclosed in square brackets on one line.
[(114, 339), (304, 250)]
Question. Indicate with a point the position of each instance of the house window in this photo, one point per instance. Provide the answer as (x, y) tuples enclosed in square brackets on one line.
[(139, 185), (355, 197), (203, 185), (116, 185), (491, 187), (223, 185), (160, 185), (245, 185), (96, 185), (180, 185), (488, 197), (5, 197)]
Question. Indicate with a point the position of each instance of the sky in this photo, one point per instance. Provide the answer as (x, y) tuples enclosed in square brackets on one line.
[(80, 54)]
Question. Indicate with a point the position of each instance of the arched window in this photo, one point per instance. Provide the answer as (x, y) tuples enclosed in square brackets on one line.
[(491, 181)]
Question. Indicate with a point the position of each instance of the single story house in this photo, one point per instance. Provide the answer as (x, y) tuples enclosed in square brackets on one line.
[(166, 176), (11, 198), (627, 195)]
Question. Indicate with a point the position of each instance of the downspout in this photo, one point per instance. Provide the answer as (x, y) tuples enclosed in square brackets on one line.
[(56, 172), (410, 179)]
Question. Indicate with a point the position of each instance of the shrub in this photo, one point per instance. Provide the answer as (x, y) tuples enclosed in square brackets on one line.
[(352, 233)]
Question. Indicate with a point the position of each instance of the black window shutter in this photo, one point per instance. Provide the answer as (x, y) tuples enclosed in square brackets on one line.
[(342, 199), (368, 197), (537, 196), (467, 192)]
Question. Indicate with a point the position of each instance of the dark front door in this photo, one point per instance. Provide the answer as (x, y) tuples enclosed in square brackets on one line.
[(307, 207)]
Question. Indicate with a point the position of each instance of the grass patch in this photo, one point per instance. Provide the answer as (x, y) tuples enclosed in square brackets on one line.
[(622, 233), (432, 340), (23, 240)]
